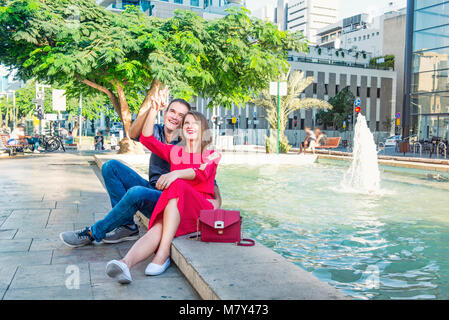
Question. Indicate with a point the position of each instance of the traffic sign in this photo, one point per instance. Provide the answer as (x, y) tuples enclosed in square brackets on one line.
[(357, 109), (398, 115), (357, 102)]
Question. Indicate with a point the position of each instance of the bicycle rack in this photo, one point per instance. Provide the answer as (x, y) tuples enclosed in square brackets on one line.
[(417, 144), (438, 149)]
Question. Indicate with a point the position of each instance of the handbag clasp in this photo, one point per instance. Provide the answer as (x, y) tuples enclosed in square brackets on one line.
[(219, 224)]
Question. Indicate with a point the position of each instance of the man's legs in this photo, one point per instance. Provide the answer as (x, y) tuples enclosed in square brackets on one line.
[(118, 179), (128, 192), (136, 199)]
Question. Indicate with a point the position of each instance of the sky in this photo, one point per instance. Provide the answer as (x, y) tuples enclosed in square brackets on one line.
[(347, 7)]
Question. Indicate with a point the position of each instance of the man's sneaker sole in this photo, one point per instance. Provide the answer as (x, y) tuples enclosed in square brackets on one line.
[(129, 238), (114, 271), (72, 245)]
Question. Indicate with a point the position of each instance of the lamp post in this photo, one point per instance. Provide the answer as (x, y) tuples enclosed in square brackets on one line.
[(13, 107)]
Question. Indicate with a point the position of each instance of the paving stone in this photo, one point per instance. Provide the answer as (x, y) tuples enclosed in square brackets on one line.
[(47, 244), (91, 253), (154, 288), (50, 232), (15, 245), (27, 213), (50, 276), (50, 293), (6, 275), (25, 258), (66, 205), (25, 223), (7, 233), (30, 205)]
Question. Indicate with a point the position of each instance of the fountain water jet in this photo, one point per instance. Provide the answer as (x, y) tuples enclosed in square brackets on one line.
[(363, 175)]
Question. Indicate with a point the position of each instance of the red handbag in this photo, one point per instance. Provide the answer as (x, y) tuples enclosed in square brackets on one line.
[(222, 226)]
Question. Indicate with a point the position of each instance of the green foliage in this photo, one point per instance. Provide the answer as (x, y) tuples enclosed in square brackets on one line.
[(271, 143), (64, 42), (388, 64), (342, 107)]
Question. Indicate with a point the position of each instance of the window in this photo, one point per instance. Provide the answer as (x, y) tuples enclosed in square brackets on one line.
[(195, 3), (290, 124), (360, 38), (377, 33), (355, 39), (378, 92), (337, 88), (367, 124), (302, 124), (368, 92), (367, 37), (326, 89), (377, 125), (315, 87), (358, 91), (178, 1), (364, 37)]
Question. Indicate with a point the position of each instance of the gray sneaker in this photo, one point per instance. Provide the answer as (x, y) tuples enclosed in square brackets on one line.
[(122, 233), (75, 239)]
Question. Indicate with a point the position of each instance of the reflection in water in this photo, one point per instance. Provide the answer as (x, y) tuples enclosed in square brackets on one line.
[(386, 246)]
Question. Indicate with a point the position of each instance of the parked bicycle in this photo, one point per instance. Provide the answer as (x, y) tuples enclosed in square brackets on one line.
[(50, 143)]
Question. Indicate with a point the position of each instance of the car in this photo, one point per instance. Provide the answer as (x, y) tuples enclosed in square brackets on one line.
[(393, 141)]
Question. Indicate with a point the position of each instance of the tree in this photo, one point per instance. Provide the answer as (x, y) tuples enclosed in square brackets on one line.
[(128, 56), (296, 85), (342, 104)]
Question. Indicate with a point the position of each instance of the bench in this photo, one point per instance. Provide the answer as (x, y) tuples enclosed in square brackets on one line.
[(331, 143), (11, 149)]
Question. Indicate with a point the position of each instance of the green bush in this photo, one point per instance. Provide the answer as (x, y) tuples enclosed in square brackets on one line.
[(271, 144)]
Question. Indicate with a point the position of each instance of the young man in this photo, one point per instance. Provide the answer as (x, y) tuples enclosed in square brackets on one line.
[(309, 141), (128, 191)]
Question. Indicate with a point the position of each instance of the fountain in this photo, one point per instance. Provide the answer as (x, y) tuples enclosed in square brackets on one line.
[(363, 175)]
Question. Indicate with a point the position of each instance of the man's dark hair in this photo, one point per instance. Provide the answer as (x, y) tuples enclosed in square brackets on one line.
[(189, 107)]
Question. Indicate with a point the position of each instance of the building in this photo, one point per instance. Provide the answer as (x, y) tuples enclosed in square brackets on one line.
[(426, 80), (309, 16), (306, 16), (207, 9), (376, 88), (393, 43)]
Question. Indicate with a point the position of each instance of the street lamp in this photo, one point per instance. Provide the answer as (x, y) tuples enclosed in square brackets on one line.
[(13, 107)]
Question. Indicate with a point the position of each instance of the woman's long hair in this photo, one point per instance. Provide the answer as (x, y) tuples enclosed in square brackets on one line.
[(205, 134)]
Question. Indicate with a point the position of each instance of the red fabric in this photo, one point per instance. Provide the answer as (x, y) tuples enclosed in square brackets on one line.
[(192, 194)]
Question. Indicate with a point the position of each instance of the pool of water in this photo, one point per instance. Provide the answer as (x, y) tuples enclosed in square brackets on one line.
[(394, 245)]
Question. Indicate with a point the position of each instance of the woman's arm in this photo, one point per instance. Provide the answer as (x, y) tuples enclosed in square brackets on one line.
[(160, 149), (202, 174)]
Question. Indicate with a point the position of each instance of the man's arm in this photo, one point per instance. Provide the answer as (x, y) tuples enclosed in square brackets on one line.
[(137, 125)]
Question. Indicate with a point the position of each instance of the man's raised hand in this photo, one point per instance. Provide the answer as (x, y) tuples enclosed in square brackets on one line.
[(159, 100)]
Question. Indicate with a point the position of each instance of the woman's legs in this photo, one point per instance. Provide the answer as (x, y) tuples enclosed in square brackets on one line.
[(145, 246), (161, 234), (171, 222)]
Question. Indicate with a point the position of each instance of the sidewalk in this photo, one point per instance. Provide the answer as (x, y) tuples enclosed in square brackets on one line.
[(43, 195)]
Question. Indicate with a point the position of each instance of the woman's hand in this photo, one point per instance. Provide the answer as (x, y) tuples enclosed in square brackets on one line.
[(166, 180)]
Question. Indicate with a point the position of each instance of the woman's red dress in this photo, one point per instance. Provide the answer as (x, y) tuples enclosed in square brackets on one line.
[(192, 194)]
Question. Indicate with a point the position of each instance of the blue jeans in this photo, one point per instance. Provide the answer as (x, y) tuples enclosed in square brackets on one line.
[(129, 193)]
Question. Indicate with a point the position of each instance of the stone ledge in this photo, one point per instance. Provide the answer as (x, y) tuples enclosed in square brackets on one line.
[(223, 271)]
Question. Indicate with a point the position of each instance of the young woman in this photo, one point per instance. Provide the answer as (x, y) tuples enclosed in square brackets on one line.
[(186, 190)]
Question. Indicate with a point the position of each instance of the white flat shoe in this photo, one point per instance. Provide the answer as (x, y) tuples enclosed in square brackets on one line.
[(154, 269), (119, 270)]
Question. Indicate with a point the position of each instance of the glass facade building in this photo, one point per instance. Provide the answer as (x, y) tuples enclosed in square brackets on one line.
[(428, 69)]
